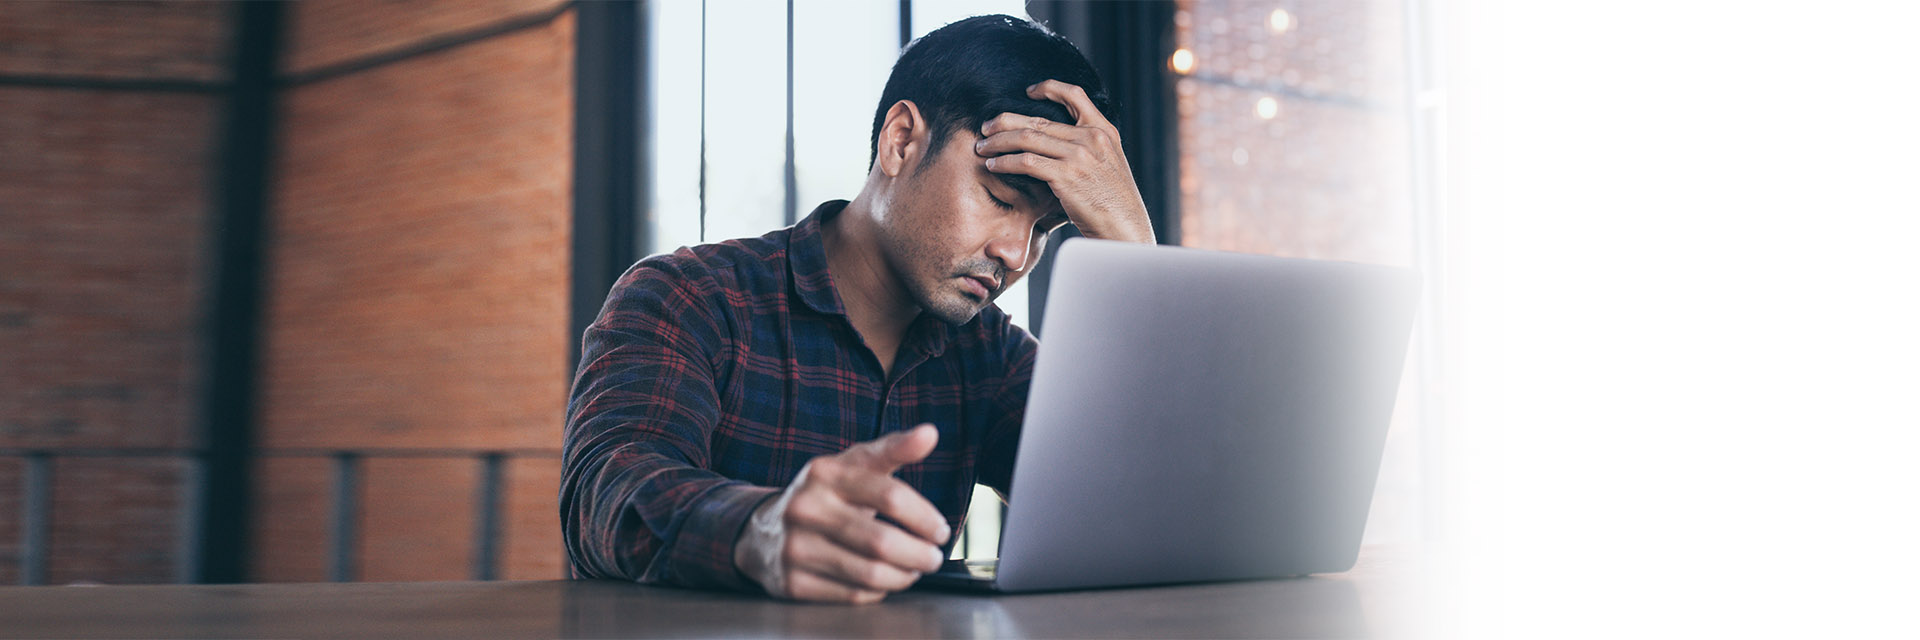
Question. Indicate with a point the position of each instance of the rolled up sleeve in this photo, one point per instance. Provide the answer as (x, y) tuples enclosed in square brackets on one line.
[(638, 498)]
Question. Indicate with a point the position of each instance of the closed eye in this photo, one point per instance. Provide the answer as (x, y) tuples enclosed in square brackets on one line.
[(996, 201)]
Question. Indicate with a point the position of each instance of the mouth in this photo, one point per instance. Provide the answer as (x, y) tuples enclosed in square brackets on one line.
[(982, 286)]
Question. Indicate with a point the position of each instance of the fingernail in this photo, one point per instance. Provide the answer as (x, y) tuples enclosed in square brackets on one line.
[(939, 558), (946, 533)]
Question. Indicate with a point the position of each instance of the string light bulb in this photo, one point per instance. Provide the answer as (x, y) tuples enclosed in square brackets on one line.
[(1280, 21), (1267, 108), (1181, 62)]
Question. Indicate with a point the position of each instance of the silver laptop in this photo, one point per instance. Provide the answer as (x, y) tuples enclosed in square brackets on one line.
[(1199, 416)]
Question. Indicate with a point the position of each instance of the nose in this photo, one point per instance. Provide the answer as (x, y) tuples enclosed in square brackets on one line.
[(1012, 244)]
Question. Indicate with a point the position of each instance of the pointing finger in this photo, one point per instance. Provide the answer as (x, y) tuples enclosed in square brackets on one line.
[(896, 500), (896, 449)]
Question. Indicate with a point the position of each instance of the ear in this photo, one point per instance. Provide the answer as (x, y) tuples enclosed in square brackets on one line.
[(903, 139)]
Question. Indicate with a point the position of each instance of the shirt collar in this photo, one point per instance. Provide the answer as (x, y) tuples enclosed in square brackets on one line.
[(807, 259)]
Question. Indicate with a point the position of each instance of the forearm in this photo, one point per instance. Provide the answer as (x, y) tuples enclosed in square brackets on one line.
[(632, 514)]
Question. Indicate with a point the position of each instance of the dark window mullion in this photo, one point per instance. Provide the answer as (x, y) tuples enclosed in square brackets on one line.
[(906, 22), (792, 177), (608, 229)]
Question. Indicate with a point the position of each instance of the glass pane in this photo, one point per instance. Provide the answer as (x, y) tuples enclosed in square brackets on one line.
[(932, 14), (842, 53), (674, 136), (746, 128)]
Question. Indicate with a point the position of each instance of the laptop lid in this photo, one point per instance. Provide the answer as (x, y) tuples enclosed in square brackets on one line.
[(1198, 415)]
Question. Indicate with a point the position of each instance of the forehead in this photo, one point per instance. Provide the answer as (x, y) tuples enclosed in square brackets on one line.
[(959, 152)]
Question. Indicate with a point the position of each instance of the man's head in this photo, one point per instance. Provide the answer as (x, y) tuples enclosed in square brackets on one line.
[(963, 74), (942, 216)]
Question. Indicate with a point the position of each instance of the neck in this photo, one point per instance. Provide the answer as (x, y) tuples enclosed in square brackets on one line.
[(877, 302)]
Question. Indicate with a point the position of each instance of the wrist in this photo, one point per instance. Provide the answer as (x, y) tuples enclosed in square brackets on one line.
[(1131, 224), (757, 552), (1141, 233)]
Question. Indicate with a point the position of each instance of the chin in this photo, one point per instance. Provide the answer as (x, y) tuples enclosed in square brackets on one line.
[(956, 311)]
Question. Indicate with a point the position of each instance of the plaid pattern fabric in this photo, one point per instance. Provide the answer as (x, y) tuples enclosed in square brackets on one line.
[(714, 373)]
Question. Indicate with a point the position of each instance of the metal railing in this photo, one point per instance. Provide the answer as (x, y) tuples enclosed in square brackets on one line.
[(36, 500)]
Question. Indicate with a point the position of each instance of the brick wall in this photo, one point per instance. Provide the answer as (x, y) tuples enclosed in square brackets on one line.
[(418, 278), (415, 284), (103, 216), (1325, 175)]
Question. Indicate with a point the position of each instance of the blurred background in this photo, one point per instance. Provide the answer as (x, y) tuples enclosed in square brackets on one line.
[(292, 292)]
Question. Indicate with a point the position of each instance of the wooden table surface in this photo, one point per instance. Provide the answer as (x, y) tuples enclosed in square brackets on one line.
[(1359, 603)]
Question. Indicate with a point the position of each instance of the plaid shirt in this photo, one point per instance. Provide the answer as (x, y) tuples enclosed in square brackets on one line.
[(714, 373)]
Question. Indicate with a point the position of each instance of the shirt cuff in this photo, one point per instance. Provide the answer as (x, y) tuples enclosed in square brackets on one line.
[(703, 555)]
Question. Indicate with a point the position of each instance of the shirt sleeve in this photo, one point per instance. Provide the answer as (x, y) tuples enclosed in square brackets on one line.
[(995, 466), (638, 498)]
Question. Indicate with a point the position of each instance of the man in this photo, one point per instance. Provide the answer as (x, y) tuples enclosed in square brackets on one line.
[(741, 416)]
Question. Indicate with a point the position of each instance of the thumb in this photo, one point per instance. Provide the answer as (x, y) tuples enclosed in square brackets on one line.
[(897, 449)]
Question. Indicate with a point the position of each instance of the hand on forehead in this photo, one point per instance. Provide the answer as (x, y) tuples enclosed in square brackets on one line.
[(1080, 162)]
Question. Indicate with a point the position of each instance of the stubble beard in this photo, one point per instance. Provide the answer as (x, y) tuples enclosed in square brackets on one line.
[(933, 285)]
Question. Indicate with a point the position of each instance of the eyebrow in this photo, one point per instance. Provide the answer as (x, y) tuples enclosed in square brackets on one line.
[(1029, 187)]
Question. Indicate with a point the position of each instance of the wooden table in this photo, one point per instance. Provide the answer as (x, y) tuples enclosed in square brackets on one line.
[(1360, 603)]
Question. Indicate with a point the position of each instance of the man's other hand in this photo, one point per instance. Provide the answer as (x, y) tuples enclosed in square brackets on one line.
[(1082, 162), (821, 540)]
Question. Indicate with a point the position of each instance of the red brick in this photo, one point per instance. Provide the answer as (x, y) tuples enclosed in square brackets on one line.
[(103, 230), (416, 280), (417, 519), (10, 506), (1326, 177), (323, 33), (116, 520), (103, 215), (530, 521), (419, 265), (292, 523), (123, 40)]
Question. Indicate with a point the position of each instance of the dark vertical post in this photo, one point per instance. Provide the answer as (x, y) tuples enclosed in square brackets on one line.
[(233, 314), (191, 518), (906, 22), (486, 520), (793, 181), (608, 229), (703, 120), (36, 514), (346, 515)]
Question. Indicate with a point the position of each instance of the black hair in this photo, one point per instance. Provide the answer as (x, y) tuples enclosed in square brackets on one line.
[(965, 73)]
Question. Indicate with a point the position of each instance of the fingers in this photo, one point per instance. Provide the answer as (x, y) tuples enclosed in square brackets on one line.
[(894, 499), (895, 450), (1039, 166), (1050, 144), (806, 585), (836, 549), (859, 532), (1075, 99), (1017, 140), (1084, 134), (887, 543), (815, 553)]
